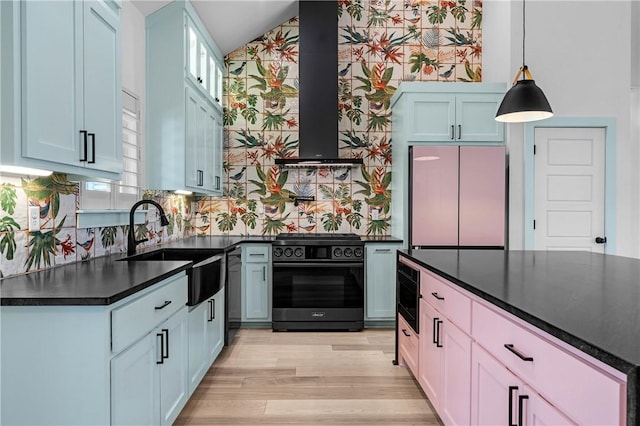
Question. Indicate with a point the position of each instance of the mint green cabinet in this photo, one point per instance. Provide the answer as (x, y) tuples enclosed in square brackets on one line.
[(173, 383), (61, 86), (206, 336), (380, 261), (184, 151), (256, 283)]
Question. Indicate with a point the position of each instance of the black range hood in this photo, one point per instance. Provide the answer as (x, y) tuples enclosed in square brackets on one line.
[(318, 68)]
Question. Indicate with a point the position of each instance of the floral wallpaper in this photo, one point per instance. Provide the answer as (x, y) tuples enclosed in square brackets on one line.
[(381, 43)]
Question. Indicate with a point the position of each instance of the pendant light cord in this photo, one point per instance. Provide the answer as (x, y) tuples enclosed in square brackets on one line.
[(523, 36)]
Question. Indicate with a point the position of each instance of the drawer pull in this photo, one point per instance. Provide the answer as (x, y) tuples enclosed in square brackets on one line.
[(511, 389), (521, 398), (404, 331), (437, 296), (256, 254), (164, 305), (517, 353), (383, 250)]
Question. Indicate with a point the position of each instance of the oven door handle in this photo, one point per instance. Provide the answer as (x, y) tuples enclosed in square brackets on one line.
[(315, 265)]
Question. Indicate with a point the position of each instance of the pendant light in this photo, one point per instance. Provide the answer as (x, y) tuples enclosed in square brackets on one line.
[(524, 101)]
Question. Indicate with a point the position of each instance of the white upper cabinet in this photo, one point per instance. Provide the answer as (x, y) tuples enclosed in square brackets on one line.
[(61, 91), (184, 150)]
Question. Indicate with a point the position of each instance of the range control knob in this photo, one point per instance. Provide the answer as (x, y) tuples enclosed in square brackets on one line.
[(298, 252), (337, 252), (277, 252), (348, 252), (288, 252), (357, 252)]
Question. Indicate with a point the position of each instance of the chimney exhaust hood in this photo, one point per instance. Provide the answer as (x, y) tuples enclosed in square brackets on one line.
[(318, 77)]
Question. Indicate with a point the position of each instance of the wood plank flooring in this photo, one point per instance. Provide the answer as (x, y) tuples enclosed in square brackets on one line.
[(316, 378)]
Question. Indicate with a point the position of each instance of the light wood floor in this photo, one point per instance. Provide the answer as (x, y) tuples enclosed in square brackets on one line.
[(294, 378)]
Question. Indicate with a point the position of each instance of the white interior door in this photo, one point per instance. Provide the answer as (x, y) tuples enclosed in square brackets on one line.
[(569, 188)]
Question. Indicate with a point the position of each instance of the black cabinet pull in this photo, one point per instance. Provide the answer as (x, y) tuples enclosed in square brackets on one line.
[(217, 182), (161, 336), (435, 331), (213, 310), (437, 296), (210, 316), (511, 389), (264, 273), (404, 331), (452, 134), (93, 148), (517, 353), (521, 398), (459, 131), (438, 324), (84, 144), (199, 177), (164, 305), (601, 240), (166, 333)]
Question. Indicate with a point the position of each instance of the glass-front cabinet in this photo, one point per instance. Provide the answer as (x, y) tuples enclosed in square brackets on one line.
[(204, 69)]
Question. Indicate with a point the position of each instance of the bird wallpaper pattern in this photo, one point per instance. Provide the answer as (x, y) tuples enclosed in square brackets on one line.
[(381, 43)]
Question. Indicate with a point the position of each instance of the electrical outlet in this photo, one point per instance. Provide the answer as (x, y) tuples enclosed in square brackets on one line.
[(34, 218), (374, 214)]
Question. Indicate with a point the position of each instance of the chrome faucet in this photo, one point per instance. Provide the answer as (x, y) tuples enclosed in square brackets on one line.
[(132, 242)]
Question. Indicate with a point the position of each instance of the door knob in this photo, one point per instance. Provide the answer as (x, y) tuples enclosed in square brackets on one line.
[(601, 240)]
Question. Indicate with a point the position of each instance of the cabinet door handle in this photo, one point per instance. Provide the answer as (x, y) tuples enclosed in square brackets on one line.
[(93, 148), (438, 324), (166, 333), (437, 296), (452, 132), (521, 399), (218, 182), (213, 310), (517, 353), (264, 273), (164, 305), (161, 336), (404, 331), (511, 389), (435, 330), (459, 131), (200, 178), (84, 144), (210, 316)]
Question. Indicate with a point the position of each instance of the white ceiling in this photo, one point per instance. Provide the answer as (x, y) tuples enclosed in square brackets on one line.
[(233, 23)]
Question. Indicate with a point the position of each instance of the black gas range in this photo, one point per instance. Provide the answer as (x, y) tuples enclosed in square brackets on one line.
[(318, 282)]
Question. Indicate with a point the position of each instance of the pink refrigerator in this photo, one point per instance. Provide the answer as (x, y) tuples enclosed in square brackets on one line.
[(458, 196)]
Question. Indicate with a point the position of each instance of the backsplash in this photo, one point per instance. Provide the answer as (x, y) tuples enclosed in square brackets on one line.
[(381, 42)]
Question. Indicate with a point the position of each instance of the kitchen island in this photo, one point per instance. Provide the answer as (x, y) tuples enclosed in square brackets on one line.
[(587, 301)]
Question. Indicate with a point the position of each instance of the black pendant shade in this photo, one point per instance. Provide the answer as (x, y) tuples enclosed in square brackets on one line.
[(524, 102)]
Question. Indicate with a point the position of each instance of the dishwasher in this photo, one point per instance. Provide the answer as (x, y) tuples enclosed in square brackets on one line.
[(233, 295)]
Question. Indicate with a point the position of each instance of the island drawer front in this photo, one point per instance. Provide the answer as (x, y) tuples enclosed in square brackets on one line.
[(138, 317), (256, 253), (559, 376), (408, 345), (449, 302)]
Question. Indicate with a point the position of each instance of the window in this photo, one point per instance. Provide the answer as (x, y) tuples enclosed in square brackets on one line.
[(120, 195)]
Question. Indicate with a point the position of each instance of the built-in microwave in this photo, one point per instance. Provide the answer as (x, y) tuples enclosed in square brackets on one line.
[(408, 294)]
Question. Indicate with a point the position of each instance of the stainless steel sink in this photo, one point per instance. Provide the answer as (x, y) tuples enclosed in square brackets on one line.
[(206, 276)]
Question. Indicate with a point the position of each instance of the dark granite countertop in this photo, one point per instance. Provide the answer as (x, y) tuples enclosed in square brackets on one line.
[(377, 239), (591, 301)]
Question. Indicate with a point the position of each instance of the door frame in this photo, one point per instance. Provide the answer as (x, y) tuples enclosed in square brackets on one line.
[(609, 125)]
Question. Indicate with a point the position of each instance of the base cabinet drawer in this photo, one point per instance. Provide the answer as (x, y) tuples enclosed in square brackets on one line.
[(451, 303), (559, 376), (407, 346)]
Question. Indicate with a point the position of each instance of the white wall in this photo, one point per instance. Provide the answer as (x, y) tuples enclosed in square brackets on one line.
[(579, 54)]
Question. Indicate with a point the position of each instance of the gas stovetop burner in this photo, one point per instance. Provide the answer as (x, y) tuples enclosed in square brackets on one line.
[(317, 247)]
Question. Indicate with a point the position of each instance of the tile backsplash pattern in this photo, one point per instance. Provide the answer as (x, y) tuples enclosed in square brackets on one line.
[(381, 42)]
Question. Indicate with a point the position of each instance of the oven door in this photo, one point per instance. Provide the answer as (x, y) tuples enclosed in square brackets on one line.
[(316, 292), (408, 300)]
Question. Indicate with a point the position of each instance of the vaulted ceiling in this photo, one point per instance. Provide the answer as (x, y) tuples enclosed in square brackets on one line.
[(233, 23)]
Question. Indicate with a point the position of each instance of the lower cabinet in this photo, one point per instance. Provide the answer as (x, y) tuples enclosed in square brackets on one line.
[(149, 379), (380, 259), (256, 283), (206, 337), (445, 365), (500, 397)]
